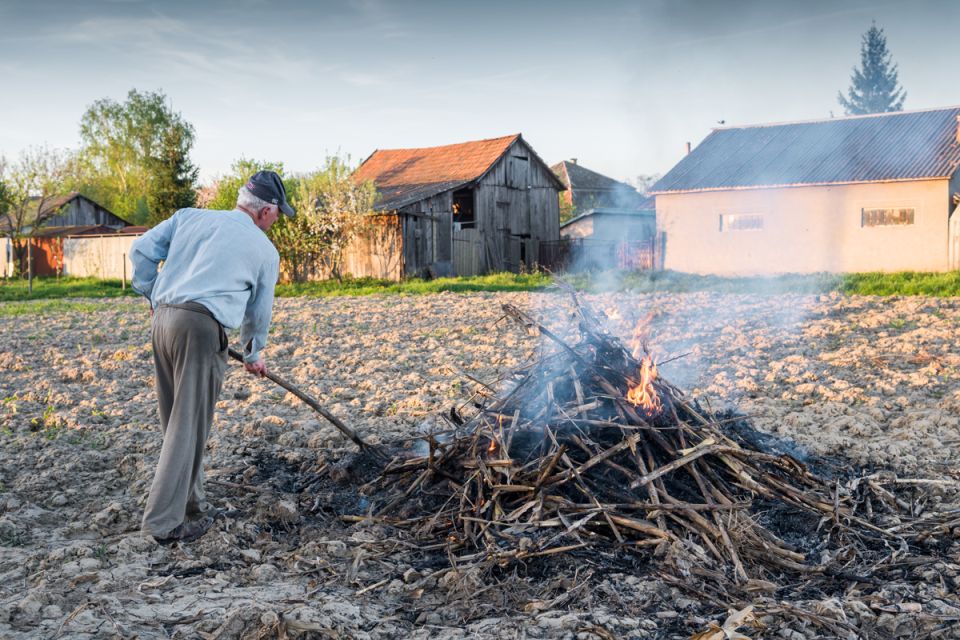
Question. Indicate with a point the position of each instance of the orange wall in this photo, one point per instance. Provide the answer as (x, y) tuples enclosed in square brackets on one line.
[(806, 229)]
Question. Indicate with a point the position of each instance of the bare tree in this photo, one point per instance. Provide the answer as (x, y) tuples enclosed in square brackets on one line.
[(645, 181)]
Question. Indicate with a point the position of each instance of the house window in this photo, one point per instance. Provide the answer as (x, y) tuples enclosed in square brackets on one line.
[(886, 217), (741, 222), (464, 216)]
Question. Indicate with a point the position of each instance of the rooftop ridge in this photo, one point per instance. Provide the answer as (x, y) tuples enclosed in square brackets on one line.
[(454, 144), (761, 125)]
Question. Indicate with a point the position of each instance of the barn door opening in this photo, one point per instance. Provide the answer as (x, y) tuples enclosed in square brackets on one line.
[(464, 211)]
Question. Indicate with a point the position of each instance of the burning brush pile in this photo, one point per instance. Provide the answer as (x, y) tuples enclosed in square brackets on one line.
[(590, 450)]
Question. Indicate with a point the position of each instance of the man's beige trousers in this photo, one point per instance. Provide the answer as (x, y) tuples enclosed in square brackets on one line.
[(190, 354)]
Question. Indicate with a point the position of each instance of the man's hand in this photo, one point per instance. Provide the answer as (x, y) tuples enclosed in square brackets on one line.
[(258, 368)]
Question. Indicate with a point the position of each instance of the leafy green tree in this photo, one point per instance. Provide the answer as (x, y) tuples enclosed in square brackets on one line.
[(331, 208), (173, 177), (136, 157), (27, 188), (874, 86), (567, 210)]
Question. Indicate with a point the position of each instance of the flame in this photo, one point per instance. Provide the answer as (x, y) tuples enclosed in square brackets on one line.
[(641, 331), (644, 395), (637, 340), (493, 446)]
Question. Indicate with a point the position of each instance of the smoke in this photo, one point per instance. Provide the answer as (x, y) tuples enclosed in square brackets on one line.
[(706, 335)]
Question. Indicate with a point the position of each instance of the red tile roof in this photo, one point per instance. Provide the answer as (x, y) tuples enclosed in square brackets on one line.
[(403, 176)]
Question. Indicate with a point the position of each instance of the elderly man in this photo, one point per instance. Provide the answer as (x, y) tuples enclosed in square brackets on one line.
[(219, 270)]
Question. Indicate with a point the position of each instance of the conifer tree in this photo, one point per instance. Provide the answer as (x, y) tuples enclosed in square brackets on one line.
[(874, 86)]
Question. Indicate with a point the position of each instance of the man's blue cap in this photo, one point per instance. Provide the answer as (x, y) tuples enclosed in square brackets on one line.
[(268, 186)]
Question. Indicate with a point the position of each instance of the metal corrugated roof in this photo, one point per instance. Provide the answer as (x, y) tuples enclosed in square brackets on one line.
[(910, 145)]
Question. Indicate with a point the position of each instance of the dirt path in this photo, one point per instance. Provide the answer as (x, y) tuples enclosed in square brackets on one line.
[(872, 379)]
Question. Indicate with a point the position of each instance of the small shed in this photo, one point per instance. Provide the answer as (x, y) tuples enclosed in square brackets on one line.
[(467, 208), (69, 216), (76, 210), (613, 225), (608, 238), (47, 246)]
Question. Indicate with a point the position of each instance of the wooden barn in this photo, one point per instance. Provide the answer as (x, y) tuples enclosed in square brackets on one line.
[(464, 209), (77, 210), (71, 215)]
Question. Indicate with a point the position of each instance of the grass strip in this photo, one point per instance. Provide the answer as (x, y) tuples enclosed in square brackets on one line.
[(48, 288), (47, 307), (905, 283)]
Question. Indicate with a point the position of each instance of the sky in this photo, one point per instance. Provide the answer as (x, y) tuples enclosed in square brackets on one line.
[(621, 86)]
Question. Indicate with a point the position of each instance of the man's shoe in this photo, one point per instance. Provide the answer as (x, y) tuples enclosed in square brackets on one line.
[(186, 532)]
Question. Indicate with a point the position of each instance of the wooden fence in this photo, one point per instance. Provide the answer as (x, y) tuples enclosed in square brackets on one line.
[(375, 252), (98, 256), (587, 254)]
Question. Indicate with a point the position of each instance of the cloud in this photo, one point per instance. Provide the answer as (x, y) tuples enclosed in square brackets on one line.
[(381, 19), (361, 79)]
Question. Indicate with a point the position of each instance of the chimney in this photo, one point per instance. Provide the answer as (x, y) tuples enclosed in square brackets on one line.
[(958, 129), (574, 160), (688, 145)]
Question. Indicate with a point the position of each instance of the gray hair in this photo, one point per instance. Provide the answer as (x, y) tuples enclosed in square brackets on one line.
[(249, 201)]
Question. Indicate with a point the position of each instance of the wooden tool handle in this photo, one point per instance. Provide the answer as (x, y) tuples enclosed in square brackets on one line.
[(344, 429)]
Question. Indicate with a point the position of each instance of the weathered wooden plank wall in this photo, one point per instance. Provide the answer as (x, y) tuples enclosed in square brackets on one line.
[(375, 252), (517, 207), (427, 233), (83, 212), (468, 253)]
